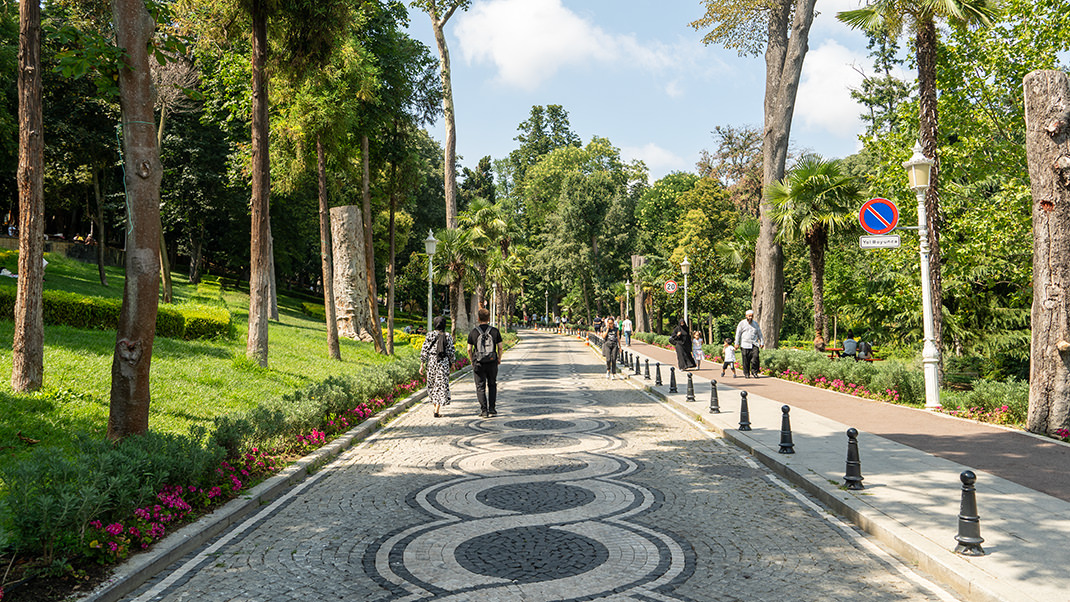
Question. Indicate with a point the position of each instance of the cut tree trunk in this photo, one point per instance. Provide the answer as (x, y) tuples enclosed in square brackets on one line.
[(28, 345), (131, 363), (350, 283), (326, 254), (1047, 124), (256, 347)]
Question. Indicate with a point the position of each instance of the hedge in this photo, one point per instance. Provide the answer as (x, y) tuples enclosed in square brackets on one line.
[(190, 321)]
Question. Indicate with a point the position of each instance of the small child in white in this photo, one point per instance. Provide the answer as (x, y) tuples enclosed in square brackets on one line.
[(729, 358), (696, 348)]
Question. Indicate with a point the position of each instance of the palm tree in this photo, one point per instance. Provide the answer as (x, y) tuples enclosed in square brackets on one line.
[(455, 258), (811, 202), (739, 250), (890, 16), (487, 225)]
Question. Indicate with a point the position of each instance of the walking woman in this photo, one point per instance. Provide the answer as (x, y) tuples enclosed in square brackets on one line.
[(436, 359), (681, 339), (610, 347)]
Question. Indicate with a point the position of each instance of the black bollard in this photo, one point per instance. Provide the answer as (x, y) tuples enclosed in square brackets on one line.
[(744, 412), (690, 388), (638, 368), (715, 404), (969, 536), (646, 376), (786, 445), (853, 478), (657, 374), (672, 380)]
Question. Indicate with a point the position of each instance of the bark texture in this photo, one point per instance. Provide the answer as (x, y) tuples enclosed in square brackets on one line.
[(131, 362), (929, 123), (639, 301), (350, 268), (789, 33), (259, 247), (27, 349), (1047, 122), (326, 254), (450, 173), (369, 247)]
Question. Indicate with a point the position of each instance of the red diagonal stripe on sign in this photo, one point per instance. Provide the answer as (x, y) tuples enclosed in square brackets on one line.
[(874, 213)]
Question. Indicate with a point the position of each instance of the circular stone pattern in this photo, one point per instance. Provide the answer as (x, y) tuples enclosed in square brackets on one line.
[(546, 400), (540, 424), (535, 497), (538, 464), (539, 441), (540, 411), (531, 554)]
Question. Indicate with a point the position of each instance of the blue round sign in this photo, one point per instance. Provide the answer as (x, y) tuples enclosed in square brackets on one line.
[(878, 216)]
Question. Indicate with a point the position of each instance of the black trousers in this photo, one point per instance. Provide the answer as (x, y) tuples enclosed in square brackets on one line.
[(486, 386), (750, 361), (611, 352)]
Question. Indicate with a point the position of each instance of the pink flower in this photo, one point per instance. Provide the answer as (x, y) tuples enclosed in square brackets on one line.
[(114, 529)]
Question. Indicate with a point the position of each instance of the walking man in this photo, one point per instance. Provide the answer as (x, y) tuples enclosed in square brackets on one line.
[(749, 339), (626, 328), (485, 349)]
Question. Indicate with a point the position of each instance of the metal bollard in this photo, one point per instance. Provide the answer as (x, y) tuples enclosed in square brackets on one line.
[(786, 444), (744, 412), (690, 388), (969, 536), (715, 404), (657, 374), (853, 478), (672, 380), (646, 376), (638, 368)]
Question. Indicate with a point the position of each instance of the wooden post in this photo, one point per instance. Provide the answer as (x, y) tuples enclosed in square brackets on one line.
[(1047, 123)]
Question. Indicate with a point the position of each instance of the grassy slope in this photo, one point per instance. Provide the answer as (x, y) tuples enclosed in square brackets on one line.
[(192, 381)]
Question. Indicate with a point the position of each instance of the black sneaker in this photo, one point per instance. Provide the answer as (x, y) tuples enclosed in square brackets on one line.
[(484, 415), (493, 414)]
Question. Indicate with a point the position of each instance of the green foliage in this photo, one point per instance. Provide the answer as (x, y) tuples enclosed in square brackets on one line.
[(1010, 396), (877, 377), (314, 310)]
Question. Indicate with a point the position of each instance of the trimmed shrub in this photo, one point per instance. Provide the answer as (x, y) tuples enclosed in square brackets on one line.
[(1005, 401), (206, 322), (314, 310), (890, 379), (169, 322)]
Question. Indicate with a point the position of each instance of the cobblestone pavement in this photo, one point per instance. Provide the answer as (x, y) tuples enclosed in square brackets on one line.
[(580, 489)]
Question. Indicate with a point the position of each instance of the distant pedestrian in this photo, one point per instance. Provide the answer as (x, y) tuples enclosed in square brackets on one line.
[(626, 329), (749, 340), (485, 349), (729, 358), (610, 347), (436, 360), (681, 339), (850, 346), (696, 348), (597, 324)]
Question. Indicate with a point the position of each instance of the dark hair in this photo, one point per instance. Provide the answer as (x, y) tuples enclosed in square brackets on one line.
[(683, 322), (440, 323), (483, 314)]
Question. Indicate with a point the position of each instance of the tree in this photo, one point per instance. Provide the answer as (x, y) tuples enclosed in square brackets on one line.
[(737, 24), (737, 163), (454, 261), (28, 346), (1047, 95), (130, 394), (440, 12), (889, 16), (811, 203)]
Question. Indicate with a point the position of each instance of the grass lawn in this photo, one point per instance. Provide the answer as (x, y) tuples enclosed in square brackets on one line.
[(192, 381)]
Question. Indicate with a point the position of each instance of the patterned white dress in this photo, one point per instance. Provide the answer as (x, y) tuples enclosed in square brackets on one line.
[(438, 368)]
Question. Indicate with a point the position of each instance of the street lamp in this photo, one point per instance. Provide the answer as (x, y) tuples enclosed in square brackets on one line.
[(430, 244), (919, 171), (685, 267)]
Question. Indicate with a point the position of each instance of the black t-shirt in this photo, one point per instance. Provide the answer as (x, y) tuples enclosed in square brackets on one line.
[(495, 335)]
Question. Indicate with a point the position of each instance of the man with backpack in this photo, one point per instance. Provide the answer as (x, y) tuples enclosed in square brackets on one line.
[(485, 349)]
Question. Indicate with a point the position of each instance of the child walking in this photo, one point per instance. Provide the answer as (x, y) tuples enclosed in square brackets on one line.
[(729, 358), (696, 348)]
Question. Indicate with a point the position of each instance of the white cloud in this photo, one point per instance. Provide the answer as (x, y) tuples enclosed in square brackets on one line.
[(528, 41), (824, 101), (658, 160)]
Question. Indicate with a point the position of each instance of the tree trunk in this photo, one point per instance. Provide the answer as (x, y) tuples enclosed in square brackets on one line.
[(99, 221), (165, 261), (929, 127), (390, 266), (816, 242), (28, 345), (273, 298), (458, 310), (259, 247), (326, 255), (641, 324), (783, 66), (369, 247), (130, 394), (350, 283), (450, 166), (197, 253), (1047, 125)]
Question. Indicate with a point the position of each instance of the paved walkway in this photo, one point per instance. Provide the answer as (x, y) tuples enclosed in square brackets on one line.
[(911, 462), (581, 489)]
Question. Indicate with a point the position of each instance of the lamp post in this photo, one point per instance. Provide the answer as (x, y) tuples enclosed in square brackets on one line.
[(919, 171), (627, 299), (430, 243), (685, 267)]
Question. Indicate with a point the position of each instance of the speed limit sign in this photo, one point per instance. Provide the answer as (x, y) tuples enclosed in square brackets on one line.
[(670, 286)]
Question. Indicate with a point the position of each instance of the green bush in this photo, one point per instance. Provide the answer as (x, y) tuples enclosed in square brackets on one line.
[(992, 396), (206, 322), (887, 378), (170, 322), (314, 310)]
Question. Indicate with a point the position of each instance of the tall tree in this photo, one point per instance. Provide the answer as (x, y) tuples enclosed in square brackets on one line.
[(28, 346), (889, 16), (130, 395), (256, 345), (738, 24), (811, 202), (440, 12)]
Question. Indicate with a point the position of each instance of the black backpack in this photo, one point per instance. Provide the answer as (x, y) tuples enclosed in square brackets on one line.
[(485, 350)]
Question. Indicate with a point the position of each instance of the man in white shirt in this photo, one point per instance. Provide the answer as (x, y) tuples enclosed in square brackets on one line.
[(749, 340), (626, 328)]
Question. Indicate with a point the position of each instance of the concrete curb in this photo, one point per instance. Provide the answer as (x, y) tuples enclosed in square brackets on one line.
[(143, 566)]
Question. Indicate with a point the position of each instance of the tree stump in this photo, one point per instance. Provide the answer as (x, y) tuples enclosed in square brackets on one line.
[(350, 284), (1047, 122)]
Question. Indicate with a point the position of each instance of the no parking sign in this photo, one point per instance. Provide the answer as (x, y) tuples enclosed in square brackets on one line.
[(878, 216)]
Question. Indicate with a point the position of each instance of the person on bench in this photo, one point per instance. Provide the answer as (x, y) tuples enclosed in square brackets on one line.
[(850, 346)]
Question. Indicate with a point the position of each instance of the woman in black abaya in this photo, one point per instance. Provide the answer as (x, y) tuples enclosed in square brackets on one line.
[(681, 339)]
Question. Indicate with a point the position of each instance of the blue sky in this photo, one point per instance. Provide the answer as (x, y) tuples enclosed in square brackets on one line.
[(634, 72)]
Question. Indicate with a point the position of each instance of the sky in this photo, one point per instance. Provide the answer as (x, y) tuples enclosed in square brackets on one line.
[(635, 72)]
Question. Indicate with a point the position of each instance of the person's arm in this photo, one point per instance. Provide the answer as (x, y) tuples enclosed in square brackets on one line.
[(739, 332)]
